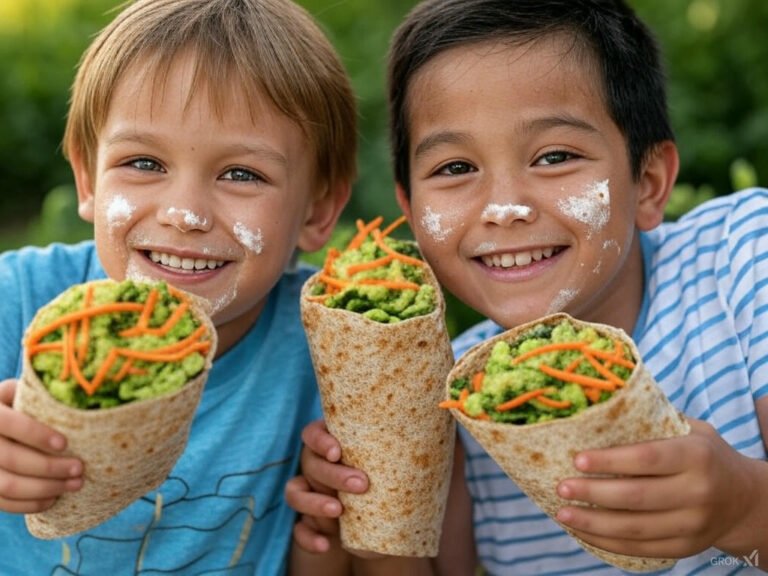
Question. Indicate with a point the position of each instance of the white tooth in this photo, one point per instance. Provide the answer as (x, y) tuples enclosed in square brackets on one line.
[(188, 263), (200, 264), (174, 261), (164, 259), (547, 252), (212, 264), (488, 261), (507, 260), (536, 254), (154, 256), (522, 258)]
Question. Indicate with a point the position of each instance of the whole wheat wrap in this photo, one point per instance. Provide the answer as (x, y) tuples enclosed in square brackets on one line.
[(538, 456), (127, 450), (380, 385)]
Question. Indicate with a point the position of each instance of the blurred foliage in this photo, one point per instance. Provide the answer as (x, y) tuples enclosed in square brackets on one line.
[(718, 93)]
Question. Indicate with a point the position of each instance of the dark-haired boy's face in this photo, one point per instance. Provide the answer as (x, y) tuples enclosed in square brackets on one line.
[(521, 192)]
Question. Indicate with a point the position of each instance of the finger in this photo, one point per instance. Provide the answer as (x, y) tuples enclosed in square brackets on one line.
[(608, 525), (28, 431), (317, 438), (310, 540), (24, 461), (329, 477), (654, 458), (301, 498), (656, 493), (663, 548), (15, 487), (25, 506), (7, 392)]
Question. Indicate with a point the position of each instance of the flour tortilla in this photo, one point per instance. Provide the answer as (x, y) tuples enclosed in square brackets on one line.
[(127, 451), (380, 385), (538, 456)]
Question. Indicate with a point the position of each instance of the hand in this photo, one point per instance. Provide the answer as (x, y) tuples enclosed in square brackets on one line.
[(32, 473), (315, 494), (674, 497)]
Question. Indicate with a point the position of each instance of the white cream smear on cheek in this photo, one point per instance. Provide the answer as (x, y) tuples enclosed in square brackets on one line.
[(190, 218), (592, 207), (119, 211), (253, 241), (432, 222), (562, 300), (505, 211)]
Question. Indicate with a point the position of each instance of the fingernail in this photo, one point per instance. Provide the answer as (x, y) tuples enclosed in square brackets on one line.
[(564, 515), (332, 509), (75, 470), (581, 462), (564, 491), (57, 442), (355, 484), (74, 484)]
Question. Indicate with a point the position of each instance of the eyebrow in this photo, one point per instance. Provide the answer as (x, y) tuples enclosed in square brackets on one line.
[(259, 150), (531, 126)]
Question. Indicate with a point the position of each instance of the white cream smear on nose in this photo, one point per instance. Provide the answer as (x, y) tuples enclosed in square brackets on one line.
[(119, 211), (190, 218), (592, 207), (432, 222), (562, 300), (253, 241), (505, 211)]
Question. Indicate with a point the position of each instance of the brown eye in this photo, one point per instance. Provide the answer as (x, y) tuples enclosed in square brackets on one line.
[(456, 169)]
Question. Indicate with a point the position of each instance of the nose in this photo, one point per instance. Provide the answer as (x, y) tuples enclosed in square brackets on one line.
[(185, 219), (506, 214)]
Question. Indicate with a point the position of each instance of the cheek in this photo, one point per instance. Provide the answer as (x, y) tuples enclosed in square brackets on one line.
[(118, 212), (436, 224), (590, 206), (251, 237)]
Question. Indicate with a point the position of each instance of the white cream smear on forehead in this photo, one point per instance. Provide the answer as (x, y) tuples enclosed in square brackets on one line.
[(119, 211), (563, 298), (190, 218), (505, 211), (592, 207), (432, 222), (253, 241)]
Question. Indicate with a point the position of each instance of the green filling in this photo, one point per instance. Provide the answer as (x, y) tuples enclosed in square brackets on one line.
[(379, 303), (152, 378), (503, 381)]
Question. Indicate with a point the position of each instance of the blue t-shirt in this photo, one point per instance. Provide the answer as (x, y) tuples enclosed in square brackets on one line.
[(702, 333), (221, 510)]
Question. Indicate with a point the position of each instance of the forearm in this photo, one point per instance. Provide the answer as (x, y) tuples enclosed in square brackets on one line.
[(335, 561), (388, 565)]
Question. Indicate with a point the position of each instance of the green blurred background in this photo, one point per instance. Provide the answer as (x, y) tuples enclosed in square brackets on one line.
[(715, 52)]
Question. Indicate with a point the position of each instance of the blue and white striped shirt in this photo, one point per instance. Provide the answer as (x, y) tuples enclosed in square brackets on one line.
[(702, 332)]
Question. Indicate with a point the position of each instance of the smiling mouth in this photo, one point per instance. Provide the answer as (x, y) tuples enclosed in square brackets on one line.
[(519, 259), (179, 264)]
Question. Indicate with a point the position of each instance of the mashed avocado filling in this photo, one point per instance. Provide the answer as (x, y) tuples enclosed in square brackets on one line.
[(552, 371), (380, 277), (119, 356)]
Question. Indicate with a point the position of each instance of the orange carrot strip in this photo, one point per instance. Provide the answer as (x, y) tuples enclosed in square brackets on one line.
[(355, 268), (388, 230), (477, 382), (115, 307), (363, 232), (610, 376), (450, 404), (402, 257), (173, 319), (79, 378), (168, 357), (603, 355), (124, 370), (47, 347), (552, 403), (325, 279), (578, 378), (482, 416), (330, 257), (318, 298), (522, 399), (66, 343), (557, 346), (85, 326), (593, 394), (573, 365), (175, 347), (392, 284), (104, 369), (138, 371), (146, 314)]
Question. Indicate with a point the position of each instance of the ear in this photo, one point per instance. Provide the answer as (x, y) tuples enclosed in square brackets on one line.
[(322, 215), (403, 201), (656, 183), (84, 185)]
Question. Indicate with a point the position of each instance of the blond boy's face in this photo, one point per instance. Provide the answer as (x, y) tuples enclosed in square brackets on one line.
[(521, 193), (213, 206)]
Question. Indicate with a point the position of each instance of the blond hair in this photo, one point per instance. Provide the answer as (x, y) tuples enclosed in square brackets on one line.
[(268, 48)]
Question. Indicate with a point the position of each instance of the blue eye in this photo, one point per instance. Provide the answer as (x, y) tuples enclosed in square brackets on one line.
[(146, 164), (241, 175), (456, 168)]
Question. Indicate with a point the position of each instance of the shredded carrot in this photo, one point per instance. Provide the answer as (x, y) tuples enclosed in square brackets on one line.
[(391, 284), (146, 314), (554, 347), (388, 230), (552, 403), (47, 347), (578, 378), (85, 326), (593, 394), (573, 365), (522, 399), (173, 319), (104, 369), (477, 382), (604, 371), (64, 374), (355, 268), (402, 257), (318, 298), (363, 231), (330, 281), (451, 404), (124, 370), (616, 359), (330, 257)]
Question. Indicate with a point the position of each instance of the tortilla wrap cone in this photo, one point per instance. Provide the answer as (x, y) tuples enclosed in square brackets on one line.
[(538, 456), (127, 450), (380, 385)]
